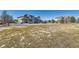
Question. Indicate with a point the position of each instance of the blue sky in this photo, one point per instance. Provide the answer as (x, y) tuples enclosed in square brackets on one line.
[(44, 14)]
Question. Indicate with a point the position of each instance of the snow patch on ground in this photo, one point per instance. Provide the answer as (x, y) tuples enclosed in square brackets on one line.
[(2, 45), (22, 38)]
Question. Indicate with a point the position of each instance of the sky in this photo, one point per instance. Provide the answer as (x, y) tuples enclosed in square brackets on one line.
[(44, 14)]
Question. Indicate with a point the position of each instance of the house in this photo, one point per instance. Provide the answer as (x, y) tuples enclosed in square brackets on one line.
[(20, 19), (64, 19), (28, 19)]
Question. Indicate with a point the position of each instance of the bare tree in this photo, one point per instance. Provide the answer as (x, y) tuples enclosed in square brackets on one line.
[(6, 18)]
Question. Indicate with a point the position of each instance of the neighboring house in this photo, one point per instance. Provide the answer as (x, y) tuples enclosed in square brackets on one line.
[(28, 19), (65, 19), (58, 19), (20, 19)]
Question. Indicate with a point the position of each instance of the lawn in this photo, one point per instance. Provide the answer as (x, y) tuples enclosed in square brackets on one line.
[(41, 36)]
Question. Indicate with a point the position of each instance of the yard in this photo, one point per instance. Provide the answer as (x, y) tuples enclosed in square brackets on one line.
[(40, 36)]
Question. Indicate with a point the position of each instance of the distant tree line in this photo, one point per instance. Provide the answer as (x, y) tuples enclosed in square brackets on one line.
[(6, 19), (64, 19)]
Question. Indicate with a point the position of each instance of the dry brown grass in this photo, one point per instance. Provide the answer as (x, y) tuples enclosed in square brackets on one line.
[(41, 36)]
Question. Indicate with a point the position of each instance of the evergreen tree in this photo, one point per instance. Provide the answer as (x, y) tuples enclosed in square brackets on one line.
[(72, 20), (53, 21)]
